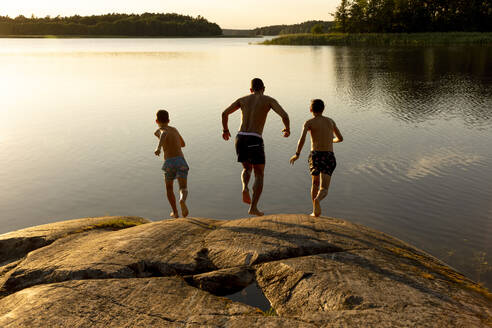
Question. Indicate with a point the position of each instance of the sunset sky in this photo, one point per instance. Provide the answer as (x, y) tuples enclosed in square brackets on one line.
[(228, 14)]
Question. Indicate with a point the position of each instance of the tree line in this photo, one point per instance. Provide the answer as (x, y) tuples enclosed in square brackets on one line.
[(147, 24), (359, 16), (304, 27)]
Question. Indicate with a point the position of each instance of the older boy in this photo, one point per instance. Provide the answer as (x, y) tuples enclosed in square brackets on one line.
[(322, 161), (175, 165)]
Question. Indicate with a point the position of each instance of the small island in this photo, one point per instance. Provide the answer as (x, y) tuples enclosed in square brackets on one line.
[(311, 272), (110, 25)]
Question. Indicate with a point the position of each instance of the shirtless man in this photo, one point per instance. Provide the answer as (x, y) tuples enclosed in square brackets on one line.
[(175, 166), (324, 132), (249, 142)]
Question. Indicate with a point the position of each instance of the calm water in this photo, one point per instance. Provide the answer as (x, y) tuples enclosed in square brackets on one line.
[(77, 123)]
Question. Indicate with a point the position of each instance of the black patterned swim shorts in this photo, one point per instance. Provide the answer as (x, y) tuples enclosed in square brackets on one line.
[(322, 162), (250, 149)]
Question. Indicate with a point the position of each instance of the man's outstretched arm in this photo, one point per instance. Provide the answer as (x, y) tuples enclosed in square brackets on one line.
[(283, 114), (300, 144), (225, 118)]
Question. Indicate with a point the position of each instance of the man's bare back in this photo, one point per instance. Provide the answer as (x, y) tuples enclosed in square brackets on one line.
[(254, 111)]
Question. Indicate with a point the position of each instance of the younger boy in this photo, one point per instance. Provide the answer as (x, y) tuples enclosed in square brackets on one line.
[(175, 165), (321, 160)]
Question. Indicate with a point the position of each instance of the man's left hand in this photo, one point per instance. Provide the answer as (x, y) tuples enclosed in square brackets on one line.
[(226, 135)]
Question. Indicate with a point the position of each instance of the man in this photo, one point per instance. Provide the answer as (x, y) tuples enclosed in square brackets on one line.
[(249, 142)]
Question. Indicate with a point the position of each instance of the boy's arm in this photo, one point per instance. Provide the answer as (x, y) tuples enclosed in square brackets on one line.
[(157, 133), (338, 136), (162, 137), (283, 114), (225, 118), (300, 144), (182, 140)]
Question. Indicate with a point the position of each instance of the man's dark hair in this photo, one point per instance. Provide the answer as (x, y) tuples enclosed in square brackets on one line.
[(257, 84), (163, 116), (317, 106)]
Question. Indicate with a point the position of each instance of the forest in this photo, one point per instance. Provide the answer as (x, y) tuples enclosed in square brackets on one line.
[(408, 16), (304, 27), (148, 24)]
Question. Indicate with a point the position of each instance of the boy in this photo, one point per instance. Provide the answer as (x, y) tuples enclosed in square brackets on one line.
[(175, 165), (321, 160)]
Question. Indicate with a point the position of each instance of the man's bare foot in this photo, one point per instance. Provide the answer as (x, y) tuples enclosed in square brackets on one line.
[(184, 208), (255, 211), (316, 207), (246, 197), (174, 215)]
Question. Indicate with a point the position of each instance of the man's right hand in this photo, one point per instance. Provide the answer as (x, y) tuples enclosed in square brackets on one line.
[(226, 135)]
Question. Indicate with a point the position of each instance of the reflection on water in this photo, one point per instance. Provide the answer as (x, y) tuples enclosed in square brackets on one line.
[(253, 296), (418, 84), (77, 122)]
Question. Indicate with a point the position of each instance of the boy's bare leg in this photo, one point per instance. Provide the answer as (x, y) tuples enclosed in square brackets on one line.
[(315, 186), (245, 176), (323, 192), (314, 190), (171, 198), (257, 189), (183, 194)]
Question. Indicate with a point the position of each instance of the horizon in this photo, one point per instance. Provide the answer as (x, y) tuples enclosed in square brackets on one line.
[(227, 16)]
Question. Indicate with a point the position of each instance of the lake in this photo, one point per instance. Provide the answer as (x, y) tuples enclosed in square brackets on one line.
[(77, 118)]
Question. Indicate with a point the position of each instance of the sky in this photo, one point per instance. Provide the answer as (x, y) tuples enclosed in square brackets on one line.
[(240, 14)]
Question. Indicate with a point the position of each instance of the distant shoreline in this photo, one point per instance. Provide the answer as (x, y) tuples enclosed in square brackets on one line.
[(121, 37), (384, 39)]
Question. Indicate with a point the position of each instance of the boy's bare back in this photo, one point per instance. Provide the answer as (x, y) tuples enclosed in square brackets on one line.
[(171, 142), (322, 130)]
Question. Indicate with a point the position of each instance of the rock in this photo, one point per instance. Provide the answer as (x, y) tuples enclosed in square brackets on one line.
[(368, 288), (318, 272), (15, 245), (145, 302), (163, 248), (225, 281)]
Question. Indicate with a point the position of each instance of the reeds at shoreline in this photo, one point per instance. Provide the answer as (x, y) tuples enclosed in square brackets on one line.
[(384, 39)]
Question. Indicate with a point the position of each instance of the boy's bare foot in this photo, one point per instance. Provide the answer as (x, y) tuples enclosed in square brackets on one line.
[(316, 208), (246, 197), (174, 215), (255, 211), (184, 208), (322, 194)]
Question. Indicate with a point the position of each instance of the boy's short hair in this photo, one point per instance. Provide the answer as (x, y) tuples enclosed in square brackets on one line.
[(163, 116), (257, 84), (317, 106)]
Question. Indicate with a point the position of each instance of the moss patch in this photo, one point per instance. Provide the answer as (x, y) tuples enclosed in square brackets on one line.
[(111, 224), (270, 313), (445, 272)]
